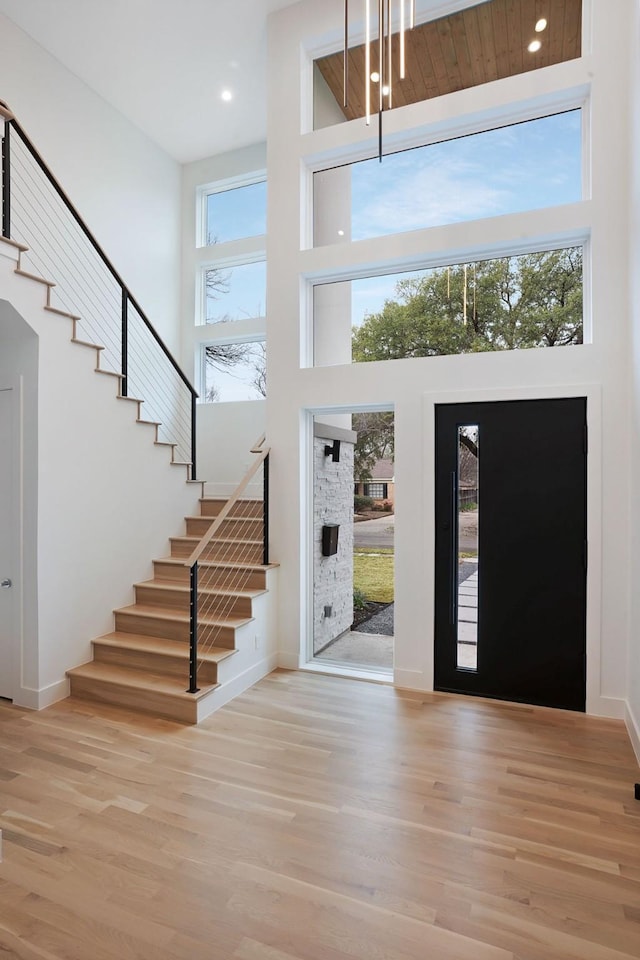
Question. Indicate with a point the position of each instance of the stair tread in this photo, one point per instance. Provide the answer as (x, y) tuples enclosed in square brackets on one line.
[(34, 276), (226, 499), (183, 587), (225, 564), (181, 616), (87, 343), (62, 313), (15, 243), (139, 680), (196, 540), (160, 645), (231, 516)]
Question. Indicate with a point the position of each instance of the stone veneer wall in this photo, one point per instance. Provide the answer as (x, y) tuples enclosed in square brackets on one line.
[(332, 503)]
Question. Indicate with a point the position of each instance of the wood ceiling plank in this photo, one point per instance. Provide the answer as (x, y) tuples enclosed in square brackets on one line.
[(438, 58), (552, 37), (420, 54), (487, 40), (572, 32), (474, 45), (499, 20), (516, 27)]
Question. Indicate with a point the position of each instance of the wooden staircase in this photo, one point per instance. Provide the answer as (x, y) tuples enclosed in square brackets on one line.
[(144, 663)]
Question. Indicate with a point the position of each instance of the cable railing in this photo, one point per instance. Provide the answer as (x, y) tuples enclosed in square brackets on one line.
[(37, 213), (222, 566)]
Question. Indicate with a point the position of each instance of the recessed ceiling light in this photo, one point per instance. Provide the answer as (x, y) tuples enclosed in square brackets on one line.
[(341, 233), (226, 95), (534, 46), (541, 25), (375, 76)]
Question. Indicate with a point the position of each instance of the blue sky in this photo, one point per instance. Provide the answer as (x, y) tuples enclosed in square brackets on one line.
[(238, 213)]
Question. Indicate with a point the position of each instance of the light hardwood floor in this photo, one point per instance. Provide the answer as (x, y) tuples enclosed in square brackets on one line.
[(317, 818)]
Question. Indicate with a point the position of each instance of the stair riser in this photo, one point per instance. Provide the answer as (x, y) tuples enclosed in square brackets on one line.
[(244, 508), (122, 696), (154, 663), (173, 630), (228, 529), (179, 600), (220, 577), (242, 552)]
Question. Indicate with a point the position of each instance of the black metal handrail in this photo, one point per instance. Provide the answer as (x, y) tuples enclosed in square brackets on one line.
[(231, 582), (128, 299)]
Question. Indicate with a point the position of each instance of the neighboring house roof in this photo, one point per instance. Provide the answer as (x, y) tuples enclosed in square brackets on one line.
[(381, 470)]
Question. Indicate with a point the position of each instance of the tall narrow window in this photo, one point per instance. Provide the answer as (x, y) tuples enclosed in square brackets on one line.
[(468, 502)]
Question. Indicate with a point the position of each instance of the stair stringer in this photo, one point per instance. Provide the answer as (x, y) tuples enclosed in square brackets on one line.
[(107, 497), (253, 659)]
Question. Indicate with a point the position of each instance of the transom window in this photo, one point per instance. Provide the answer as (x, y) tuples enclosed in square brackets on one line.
[(524, 166)]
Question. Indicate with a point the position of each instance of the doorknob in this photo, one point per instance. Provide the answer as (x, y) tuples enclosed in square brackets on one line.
[(5, 583)]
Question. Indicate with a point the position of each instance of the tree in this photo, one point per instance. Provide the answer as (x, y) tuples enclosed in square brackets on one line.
[(375, 441), (510, 303), (222, 356), (259, 363)]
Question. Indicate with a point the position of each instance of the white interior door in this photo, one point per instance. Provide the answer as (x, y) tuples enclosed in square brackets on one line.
[(7, 545)]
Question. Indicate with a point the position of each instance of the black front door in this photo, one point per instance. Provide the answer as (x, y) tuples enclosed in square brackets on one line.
[(510, 622)]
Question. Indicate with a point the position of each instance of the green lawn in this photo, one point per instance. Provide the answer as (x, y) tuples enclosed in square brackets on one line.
[(373, 573)]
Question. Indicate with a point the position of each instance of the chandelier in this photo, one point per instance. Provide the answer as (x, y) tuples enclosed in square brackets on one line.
[(378, 54)]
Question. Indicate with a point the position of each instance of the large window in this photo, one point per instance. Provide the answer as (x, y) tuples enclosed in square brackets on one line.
[(233, 214), (509, 303), (235, 293), (524, 166), (234, 371), (484, 42)]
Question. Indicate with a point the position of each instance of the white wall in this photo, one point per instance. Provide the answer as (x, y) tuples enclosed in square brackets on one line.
[(107, 498), (124, 186), (411, 386), (226, 433), (633, 718)]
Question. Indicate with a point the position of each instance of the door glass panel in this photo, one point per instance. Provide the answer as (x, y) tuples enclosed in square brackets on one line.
[(467, 539)]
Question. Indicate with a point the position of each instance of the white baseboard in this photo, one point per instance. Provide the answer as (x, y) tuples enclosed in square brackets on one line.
[(633, 728), (238, 685), (613, 708), (289, 661), (410, 680), (39, 699)]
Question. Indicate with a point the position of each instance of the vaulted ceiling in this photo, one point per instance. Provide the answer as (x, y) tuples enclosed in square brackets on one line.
[(165, 64)]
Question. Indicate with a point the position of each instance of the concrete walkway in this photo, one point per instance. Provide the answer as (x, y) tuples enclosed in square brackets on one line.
[(371, 645), (468, 619)]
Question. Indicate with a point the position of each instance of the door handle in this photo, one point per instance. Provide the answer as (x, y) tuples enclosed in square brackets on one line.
[(5, 583)]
